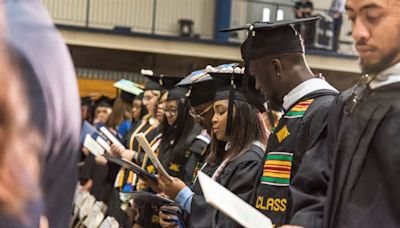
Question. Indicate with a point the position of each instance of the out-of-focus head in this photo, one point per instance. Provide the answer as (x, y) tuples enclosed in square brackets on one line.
[(20, 143), (161, 106), (103, 110), (138, 109), (150, 99), (155, 86)]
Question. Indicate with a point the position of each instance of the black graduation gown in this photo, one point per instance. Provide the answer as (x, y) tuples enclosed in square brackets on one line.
[(98, 174), (183, 167), (114, 203), (151, 133), (363, 188), (308, 189), (238, 177), (296, 131), (362, 160)]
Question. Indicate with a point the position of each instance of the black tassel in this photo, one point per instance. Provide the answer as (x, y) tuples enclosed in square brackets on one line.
[(247, 61), (229, 126)]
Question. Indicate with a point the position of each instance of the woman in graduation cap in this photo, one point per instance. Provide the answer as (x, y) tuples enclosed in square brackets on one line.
[(97, 176), (149, 125), (128, 106), (182, 146), (237, 150)]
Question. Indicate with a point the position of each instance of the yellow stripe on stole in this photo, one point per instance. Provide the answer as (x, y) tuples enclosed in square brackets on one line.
[(130, 178), (279, 163), (120, 178), (298, 109), (279, 175)]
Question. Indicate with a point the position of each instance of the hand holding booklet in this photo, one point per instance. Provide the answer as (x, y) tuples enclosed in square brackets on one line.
[(131, 166), (151, 198), (153, 157), (93, 146), (87, 129), (110, 136), (231, 205), (96, 136)]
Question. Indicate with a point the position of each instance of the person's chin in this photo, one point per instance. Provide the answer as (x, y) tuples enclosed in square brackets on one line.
[(218, 135), (371, 67)]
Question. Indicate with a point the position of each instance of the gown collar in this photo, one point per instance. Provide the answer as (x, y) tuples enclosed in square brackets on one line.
[(304, 88), (386, 77)]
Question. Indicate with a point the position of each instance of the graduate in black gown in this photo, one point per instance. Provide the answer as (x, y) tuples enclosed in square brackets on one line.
[(154, 96), (95, 177), (275, 55), (350, 177), (156, 86), (181, 148), (187, 143), (237, 149)]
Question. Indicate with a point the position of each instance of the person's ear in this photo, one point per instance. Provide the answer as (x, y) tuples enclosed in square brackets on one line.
[(277, 67)]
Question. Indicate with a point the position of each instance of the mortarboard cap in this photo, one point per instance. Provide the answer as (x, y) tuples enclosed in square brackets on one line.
[(267, 38), (177, 93), (139, 97), (159, 82), (128, 90), (104, 101), (201, 87), (233, 80), (86, 100), (229, 80)]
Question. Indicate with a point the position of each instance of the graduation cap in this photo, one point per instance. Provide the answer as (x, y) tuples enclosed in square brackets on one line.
[(159, 82), (178, 93), (229, 80), (86, 100), (138, 97), (271, 38), (200, 85), (128, 90), (104, 101)]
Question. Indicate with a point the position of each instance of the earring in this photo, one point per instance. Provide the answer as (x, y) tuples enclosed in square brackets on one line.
[(278, 74)]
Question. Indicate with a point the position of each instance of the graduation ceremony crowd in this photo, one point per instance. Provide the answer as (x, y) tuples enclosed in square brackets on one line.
[(269, 130)]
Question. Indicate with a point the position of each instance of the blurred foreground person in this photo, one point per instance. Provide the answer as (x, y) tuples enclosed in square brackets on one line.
[(47, 71), (20, 199)]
